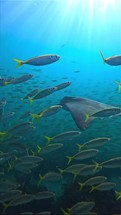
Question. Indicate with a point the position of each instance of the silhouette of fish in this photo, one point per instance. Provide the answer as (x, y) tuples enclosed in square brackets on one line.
[(79, 107)]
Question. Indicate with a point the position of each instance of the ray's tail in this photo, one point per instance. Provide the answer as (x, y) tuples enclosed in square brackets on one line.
[(102, 56)]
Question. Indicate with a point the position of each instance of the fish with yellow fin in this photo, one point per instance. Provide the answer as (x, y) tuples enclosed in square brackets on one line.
[(38, 61)]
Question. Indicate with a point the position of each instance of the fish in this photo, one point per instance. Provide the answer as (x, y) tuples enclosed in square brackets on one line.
[(44, 195), (6, 186), (79, 107), (93, 181), (108, 112), (49, 148), (42, 93), (18, 127), (30, 158), (112, 61), (23, 199), (79, 208), (47, 112), (20, 79), (62, 86), (94, 143), (25, 166), (63, 136), (25, 115), (83, 155), (38, 61), (17, 147), (73, 169), (20, 200), (50, 177), (90, 169), (112, 163), (9, 195), (104, 186), (31, 94)]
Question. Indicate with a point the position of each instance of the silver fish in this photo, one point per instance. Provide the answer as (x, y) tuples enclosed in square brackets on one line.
[(109, 112), (31, 94), (89, 153), (39, 60), (44, 195), (44, 93), (112, 163), (23, 199), (63, 136), (104, 186), (9, 195), (50, 110), (63, 85), (20, 79), (93, 181), (79, 208)]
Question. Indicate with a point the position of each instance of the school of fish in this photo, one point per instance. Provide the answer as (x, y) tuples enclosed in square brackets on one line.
[(24, 152)]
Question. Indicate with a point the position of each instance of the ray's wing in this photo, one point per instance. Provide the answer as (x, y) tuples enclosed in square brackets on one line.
[(79, 107)]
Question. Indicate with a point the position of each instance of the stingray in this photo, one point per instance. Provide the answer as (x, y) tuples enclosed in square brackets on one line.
[(79, 107)]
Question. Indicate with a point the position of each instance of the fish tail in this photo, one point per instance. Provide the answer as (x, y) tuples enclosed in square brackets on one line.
[(5, 206), (80, 146), (61, 171), (41, 178), (92, 189), (30, 100), (81, 185), (19, 62), (39, 149), (102, 57), (97, 165), (10, 166), (49, 139), (119, 85), (75, 175), (33, 153), (64, 212), (118, 195), (69, 159), (35, 116), (6, 83), (87, 117)]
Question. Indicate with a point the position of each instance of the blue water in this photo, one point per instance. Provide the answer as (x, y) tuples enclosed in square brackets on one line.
[(76, 31)]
